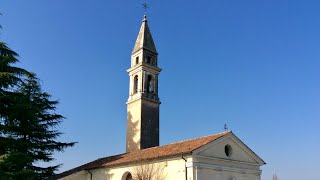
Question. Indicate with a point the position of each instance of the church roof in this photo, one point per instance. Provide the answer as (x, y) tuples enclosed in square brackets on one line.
[(169, 150), (144, 39)]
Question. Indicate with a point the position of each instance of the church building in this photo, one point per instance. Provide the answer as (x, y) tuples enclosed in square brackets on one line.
[(221, 156)]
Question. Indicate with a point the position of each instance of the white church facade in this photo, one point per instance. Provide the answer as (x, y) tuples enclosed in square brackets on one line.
[(221, 156)]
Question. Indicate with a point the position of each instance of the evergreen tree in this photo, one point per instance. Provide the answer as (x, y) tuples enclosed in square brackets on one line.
[(27, 123), (30, 134), (10, 78)]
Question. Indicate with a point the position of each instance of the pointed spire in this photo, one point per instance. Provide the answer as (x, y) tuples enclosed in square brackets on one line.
[(144, 39)]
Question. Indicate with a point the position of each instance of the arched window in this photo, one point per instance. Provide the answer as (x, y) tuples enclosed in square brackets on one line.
[(150, 84), (149, 60), (228, 150), (135, 84), (155, 61), (129, 177)]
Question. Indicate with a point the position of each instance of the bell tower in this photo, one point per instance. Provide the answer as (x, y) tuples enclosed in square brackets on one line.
[(143, 102)]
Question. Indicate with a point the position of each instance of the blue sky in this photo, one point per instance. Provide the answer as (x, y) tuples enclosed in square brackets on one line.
[(251, 64)]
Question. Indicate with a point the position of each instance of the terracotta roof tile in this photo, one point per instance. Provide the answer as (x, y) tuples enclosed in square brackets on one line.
[(178, 148)]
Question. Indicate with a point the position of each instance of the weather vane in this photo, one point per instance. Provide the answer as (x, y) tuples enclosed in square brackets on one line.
[(225, 127), (145, 6)]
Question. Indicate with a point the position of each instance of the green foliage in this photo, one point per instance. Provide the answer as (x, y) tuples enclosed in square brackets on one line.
[(28, 123), (9, 75)]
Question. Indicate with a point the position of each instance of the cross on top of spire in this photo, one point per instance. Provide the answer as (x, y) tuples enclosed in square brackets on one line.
[(225, 127), (145, 6)]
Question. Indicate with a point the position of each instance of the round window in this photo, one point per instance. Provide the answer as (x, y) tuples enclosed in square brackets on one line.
[(228, 150)]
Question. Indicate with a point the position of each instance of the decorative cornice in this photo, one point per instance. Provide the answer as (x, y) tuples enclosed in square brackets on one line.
[(226, 160), (144, 66), (143, 98), (222, 168)]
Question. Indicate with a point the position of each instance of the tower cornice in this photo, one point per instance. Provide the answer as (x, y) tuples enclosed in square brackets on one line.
[(144, 49), (144, 98), (144, 67)]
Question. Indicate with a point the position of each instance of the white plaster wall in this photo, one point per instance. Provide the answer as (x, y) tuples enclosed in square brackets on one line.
[(212, 163), (209, 163), (173, 169)]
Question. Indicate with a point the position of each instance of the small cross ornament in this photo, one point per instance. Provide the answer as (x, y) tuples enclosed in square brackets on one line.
[(225, 127), (145, 6)]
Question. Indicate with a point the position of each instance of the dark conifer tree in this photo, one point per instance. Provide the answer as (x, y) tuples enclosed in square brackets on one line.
[(28, 123), (10, 78), (37, 128)]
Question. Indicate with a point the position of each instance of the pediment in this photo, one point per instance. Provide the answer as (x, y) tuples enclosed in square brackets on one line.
[(229, 147)]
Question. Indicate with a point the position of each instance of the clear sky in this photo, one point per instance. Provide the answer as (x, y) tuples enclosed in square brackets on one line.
[(254, 65)]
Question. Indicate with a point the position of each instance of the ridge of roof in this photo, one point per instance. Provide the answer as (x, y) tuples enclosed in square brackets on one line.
[(168, 150), (207, 136)]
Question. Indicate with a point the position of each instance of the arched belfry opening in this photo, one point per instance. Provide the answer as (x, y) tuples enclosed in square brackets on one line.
[(135, 84), (148, 59), (150, 86)]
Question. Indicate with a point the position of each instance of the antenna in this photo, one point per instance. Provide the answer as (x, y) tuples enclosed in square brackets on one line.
[(225, 127)]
